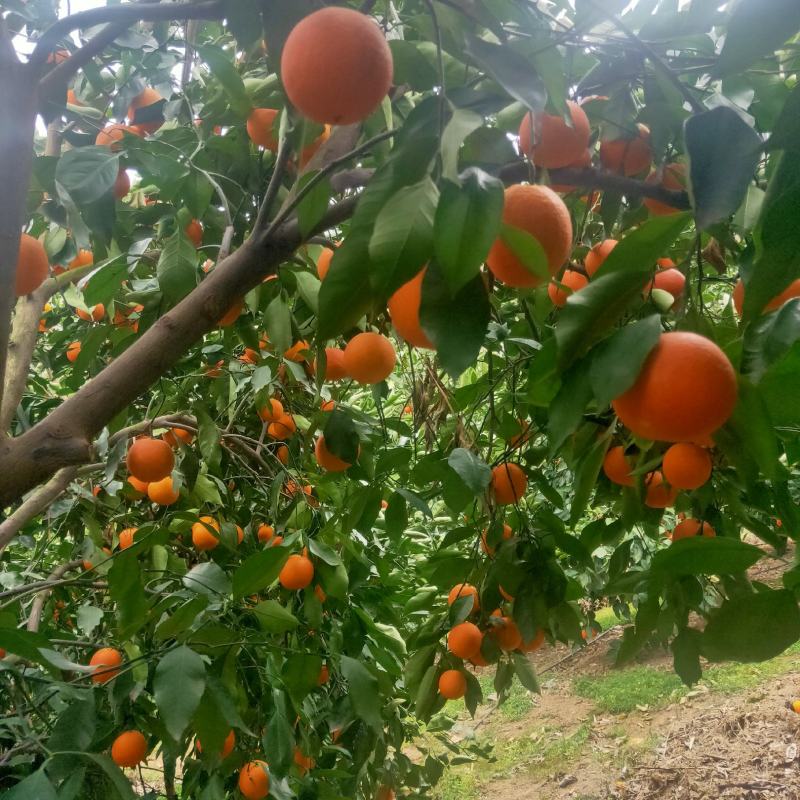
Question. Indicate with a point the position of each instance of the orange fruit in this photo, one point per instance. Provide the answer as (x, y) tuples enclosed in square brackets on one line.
[(324, 672), (122, 185), (686, 390), (227, 745), (464, 640), (573, 281), (163, 492), (665, 263), (464, 590), (271, 412), (327, 405), (283, 428), (478, 660), (581, 163), (540, 212), (336, 66), (505, 595), (686, 466), (104, 662), (385, 793), (231, 315), (84, 258), (137, 485), (297, 572), (508, 483), (659, 494), (324, 262), (297, 352), (32, 265), (73, 351), (617, 467), (554, 143), (174, 436), (250, 356), (795, 705), (282, 454), (369, 358), (265, 532), (202, 537), (96, 314), (790, 292), (507, 534), (194, 230), (308, 152), (452, 684), (320, 594), (150, 459), (598, 254), (534, 644), (692, 527), (328, 460), (334, 364), (261, 128), (304, 763), (111, 135), (403, 308), (505, 633), (147, 97), (630, 155), (669, 280), (126, 537), (129, 749), (254, 780), (673, 177)]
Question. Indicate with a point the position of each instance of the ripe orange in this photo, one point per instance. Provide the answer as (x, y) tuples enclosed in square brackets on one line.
[(554, 143), (304, 763), (194, 230), (790, 292), (137, 485), (673, 177), (126, 537), (283, 428), (84, 258), (686, 390), (32, 265), (334, 364), (324, 262), (336, 66), (104, 662), (147, 97), (385, 793), (464, 590), (507, 534), (73, 351), (369, 358), (265, 532), (111, 135), (534, 644), (324, 672), (308, 152), (254, 780), (261, 128), (795, 705), (452, 684), (231, 315), (174, 436), (297, 572), (504, 594), (617, 468), (129, 749), (540, 212), (464, 640), (692, 527), (202, 537), (508, 483), (96, 314), (282, 454), (686, 466), (163, 492), (403, 308), (598, 254), (122, 185), (320, 594), (573, 281), (630, 155), (659, 494), (581, 163), (505, 633), (328, 460), (297, 352), (150, 459), (227, 745), (250, 356), (271, 412), (669, 280)]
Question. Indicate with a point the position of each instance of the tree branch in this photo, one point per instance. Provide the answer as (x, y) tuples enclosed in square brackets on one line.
[(35, 617), (123, 15)]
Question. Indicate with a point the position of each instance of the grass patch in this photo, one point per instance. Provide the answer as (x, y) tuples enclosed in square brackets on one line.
[(518, 703), (733, 678), (456, 785), (622, 691)]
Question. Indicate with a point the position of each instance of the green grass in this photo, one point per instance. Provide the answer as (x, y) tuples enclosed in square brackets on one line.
[(622, 691), (456, 785), (518, 703)]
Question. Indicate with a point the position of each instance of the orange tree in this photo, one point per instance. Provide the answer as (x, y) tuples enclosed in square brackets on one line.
[(344, 350)]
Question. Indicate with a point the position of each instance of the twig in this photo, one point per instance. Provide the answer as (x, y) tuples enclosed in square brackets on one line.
[(35, 617), (274, 185)]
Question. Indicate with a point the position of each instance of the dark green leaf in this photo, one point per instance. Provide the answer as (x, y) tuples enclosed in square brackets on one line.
[(363, 692), (278, 322), (786, 134), (300, 674), (471, 469), (755, 431), (313, 206), (207, 578), (125, 588), (259, 571), (280, 740), (122, 786), (177, 267), (569, 405), (178, 685), (86, 174), (224, 71), (526, 673), (770, 338), (34, 786), (527, 249), (341, 437), (704, 556), (274, 618), (686, 655), (586, 474)]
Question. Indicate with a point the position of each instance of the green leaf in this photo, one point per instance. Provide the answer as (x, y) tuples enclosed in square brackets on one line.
[(35, 785), (363, 692), (462, 123), (86, 174), (756, 28), (617, 361), (105, 282), (259, 571), (723, 155), (208, 437), (319, 549), (470, 468), (341, 437), (402, 240), (456, 325), (125, 588), (177, 266), (223, 70), (182, 618), (754, 430), (278, 322), (769, 339), (280, 738), (274, 618), (308, 286), (467, 222), (569, 405), (119, 781), (780, 388), (300, 674), (786, 133), (334, 580), (427, 693), (686, 655), (586, 473), (753, 627), (526, 673), (704, 556), (313, 206), (527, 249), (513, 72), (178, 685), (209, 579)]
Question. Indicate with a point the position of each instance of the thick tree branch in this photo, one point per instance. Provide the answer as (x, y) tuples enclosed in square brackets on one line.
[(126, 15), (35, 617)]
